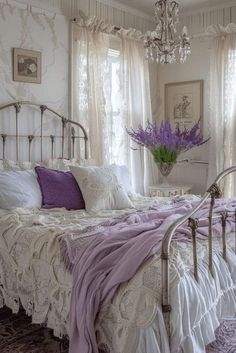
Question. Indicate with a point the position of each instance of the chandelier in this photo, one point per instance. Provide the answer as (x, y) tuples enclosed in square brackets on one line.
[(162, 43)]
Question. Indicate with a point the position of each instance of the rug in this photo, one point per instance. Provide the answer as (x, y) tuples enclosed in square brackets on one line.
[(18, 335), (225, 338)]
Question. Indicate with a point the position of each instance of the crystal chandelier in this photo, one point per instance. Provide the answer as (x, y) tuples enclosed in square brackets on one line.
[(162, 43)]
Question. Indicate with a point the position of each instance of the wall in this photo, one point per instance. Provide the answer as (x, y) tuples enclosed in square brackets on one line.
[(43, 25), (20, 28), (197, 67), (47, 31), (108, 10)]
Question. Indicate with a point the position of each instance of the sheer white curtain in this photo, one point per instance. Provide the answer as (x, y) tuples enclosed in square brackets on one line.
[(112, 93), (90, 62), (223, 110), (136, 108)]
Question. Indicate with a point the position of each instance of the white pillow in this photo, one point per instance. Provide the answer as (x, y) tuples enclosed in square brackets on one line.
[(123, 176), (19, 189), (101, 189)]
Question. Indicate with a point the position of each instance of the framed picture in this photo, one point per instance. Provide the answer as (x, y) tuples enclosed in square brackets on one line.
[(184, 103), (26, 65)]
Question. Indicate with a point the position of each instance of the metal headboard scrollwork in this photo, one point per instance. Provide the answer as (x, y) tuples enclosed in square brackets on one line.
[(67, 125)]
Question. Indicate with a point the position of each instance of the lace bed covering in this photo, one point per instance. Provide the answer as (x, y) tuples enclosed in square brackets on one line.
[(31, 272)]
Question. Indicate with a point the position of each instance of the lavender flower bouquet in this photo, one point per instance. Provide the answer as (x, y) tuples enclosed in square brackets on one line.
[(165, 143)]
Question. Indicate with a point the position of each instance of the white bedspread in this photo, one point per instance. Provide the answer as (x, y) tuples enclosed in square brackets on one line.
[(31, 272)]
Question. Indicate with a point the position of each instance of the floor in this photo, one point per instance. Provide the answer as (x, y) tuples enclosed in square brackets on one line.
[(18, 335)]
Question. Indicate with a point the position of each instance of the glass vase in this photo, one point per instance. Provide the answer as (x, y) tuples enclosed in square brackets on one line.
[(165, 168)]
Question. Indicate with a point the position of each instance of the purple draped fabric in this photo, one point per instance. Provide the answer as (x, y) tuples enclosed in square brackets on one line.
[(112, 255)]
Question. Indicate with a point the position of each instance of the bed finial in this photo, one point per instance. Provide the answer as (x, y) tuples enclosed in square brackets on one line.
[(52, 137), (43, 108), (17, 107), (30, 139), (214, 191)]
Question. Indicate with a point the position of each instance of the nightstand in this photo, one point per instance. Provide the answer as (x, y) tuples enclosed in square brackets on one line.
[(169, 190)]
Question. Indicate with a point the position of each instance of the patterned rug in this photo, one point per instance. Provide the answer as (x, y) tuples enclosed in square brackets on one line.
[(18, 335), (225, 338)]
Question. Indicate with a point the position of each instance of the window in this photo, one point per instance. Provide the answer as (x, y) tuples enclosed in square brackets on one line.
[(114, 124)]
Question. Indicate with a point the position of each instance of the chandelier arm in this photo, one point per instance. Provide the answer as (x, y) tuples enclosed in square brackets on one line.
[(166, 33), (162, 30)]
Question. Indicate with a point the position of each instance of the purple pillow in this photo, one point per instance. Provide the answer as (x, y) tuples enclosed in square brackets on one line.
[(59, 189)]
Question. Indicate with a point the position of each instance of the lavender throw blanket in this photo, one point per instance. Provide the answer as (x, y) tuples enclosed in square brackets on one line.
[(113, 253)]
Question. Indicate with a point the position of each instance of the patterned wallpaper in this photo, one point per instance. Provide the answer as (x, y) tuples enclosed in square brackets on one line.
[(45, 33)]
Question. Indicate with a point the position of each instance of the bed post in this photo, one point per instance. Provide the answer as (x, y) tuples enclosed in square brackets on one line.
[(42, 108), (52, 138), (166, 307), (73, 141), (4, 138), (224, 242), (215, 193), (30, 139), (193, 224), (17, 108), (63, 122)]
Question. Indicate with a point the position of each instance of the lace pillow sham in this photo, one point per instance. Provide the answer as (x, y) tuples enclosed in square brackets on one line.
[(101, 189)]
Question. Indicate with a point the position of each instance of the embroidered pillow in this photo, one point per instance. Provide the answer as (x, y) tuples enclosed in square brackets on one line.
[(123, 176), (101, 189), (59, 189)]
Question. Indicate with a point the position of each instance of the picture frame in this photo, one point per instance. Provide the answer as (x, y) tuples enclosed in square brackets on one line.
[(27, 65), (184, 103)]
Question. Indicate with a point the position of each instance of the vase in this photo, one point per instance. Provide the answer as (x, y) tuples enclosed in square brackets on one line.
[(165, 168)]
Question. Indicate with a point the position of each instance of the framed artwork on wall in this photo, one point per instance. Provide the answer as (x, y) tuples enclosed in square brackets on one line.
[(184, 103), (26, 65)]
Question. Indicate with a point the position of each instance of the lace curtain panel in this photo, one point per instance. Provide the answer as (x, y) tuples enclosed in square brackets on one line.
[(111, 92), (223, 109)]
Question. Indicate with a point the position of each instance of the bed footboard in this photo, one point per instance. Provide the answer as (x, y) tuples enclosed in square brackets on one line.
[(213, 193)]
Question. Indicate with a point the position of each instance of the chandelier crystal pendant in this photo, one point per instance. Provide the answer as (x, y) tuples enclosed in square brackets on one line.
[(162, 43)]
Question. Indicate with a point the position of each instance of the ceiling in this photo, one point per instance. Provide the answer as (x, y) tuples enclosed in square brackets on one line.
[(147, 6)]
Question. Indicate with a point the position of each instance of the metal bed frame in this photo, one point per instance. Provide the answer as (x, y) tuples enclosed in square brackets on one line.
[(213, 193), (67, 125)]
